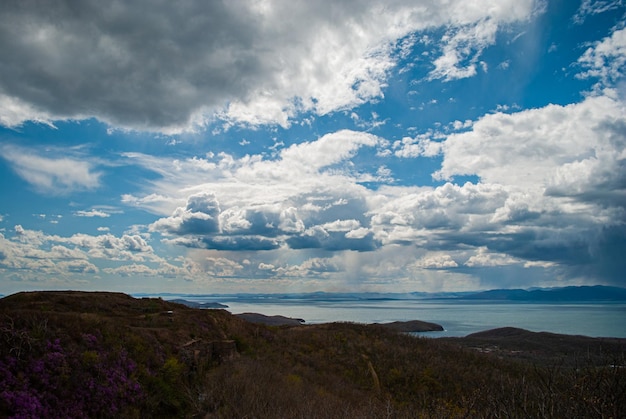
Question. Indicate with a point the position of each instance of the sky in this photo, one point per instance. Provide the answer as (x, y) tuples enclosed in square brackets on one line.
[(251, 146)]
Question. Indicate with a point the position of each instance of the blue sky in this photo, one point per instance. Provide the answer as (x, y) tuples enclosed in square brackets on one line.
[(288, 146)]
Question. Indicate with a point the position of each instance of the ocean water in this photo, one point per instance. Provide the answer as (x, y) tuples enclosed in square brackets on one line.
[(458, 318)]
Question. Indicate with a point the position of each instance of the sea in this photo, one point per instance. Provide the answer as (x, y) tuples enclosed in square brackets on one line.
[(458, 318)]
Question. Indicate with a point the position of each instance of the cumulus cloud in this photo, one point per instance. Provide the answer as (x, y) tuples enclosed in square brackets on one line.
[(31, 255), (420, 216), (560, 170), (221, 267), (422, 145), (484, 257), (529, 148), (133, 270), (435, 260), (80, 266), (606, 59), (200, 216), (31, 251), (307, 197), (169, 67), (108, 246), (28, 246)]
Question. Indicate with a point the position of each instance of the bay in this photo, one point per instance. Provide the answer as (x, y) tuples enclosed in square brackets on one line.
[(459, 318)]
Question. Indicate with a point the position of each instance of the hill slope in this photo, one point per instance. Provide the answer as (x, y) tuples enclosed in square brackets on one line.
[(76, 354)]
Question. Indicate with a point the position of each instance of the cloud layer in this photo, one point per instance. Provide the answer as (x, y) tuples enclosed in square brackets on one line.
[(379, 186), (167, 66), (551, 193)]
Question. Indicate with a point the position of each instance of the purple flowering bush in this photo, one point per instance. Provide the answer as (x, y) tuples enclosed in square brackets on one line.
[(42, 378)]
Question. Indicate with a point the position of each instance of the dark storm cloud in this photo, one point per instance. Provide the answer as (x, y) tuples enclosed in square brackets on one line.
[(608, 256), (333, 241), (240, 243), (577, 254), (143, 64), (140, 63), (161, 65)]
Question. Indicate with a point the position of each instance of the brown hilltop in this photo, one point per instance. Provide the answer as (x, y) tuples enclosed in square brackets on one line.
[(173, 323)]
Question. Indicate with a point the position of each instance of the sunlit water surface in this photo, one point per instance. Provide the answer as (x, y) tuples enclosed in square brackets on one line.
[(457, 318)]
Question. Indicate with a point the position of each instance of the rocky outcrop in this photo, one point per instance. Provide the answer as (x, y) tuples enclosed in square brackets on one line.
[(198, 351)]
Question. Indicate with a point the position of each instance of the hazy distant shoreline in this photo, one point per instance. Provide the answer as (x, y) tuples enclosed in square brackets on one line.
[(595, 293), (459, 315)]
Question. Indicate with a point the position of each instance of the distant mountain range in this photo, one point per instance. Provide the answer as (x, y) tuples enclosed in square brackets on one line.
[(560, 294), (582, 293)]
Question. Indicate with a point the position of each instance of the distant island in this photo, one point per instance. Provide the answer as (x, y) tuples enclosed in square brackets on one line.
[(270, 320), (194, 304), (412, 326)]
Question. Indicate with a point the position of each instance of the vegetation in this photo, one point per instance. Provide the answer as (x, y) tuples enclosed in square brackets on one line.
[(72, 354)]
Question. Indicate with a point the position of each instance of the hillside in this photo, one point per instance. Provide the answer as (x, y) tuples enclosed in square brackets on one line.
[(545, 348), (75, 354)]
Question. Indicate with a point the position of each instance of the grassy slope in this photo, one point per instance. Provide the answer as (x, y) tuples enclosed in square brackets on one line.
[(164, 359)]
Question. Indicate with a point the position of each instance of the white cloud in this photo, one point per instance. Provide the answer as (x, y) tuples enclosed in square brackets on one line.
[(462, 49), (485, 258), (110, 247), (13, 112), (30, 251), (266, 266), (77, 266), (420, 216), (52, 175), (527, 149), (421, 145), (221, 267), (200, 216), (606, 59), (341, 225), (327, 150), (594, 7), (133, 270), (312, 267), (92, 213), (68, 259), (436, 261)]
